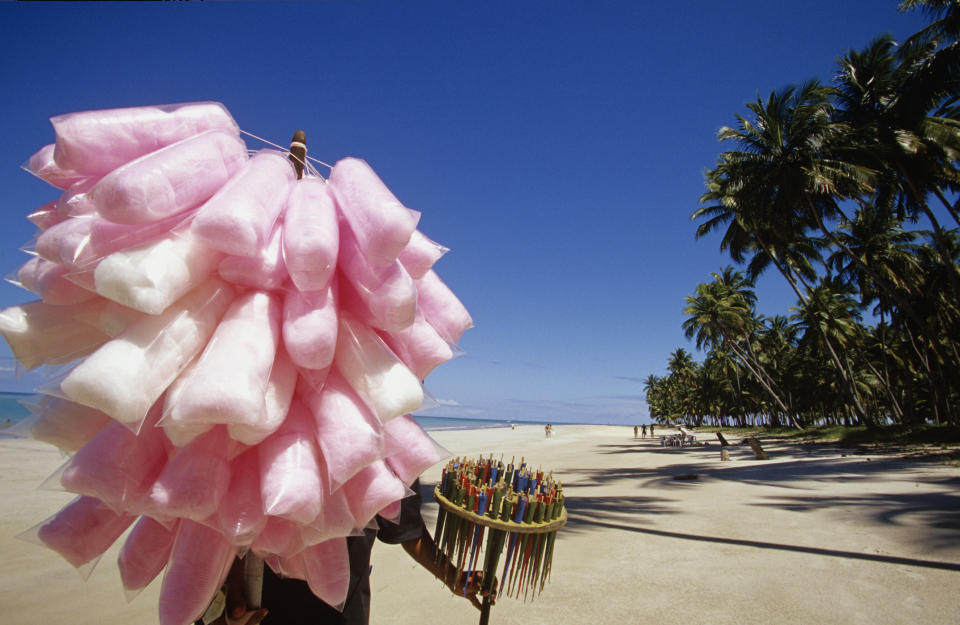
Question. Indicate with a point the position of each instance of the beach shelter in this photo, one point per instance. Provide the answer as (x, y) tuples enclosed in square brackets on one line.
[(235, 342)]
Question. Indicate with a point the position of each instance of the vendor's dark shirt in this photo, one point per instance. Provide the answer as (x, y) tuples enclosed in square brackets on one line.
[(290, 602)]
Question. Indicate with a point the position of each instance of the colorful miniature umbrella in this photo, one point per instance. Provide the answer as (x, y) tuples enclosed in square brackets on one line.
[(520, 508), (244, 348)]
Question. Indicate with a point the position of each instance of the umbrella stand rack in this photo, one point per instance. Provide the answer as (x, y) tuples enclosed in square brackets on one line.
[(519, 509)]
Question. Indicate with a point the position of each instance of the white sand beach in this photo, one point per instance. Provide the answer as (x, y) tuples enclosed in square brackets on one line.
[(809, 536)]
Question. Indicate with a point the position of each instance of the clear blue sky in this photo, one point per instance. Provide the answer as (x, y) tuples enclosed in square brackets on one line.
[(557, 148)]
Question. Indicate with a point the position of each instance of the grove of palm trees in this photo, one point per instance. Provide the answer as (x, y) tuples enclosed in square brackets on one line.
[(848, 189)]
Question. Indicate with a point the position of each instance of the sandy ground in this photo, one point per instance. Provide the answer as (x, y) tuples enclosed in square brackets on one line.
[(805, 537)]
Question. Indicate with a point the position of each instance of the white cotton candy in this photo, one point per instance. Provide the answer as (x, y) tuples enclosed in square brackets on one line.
[(44, 334), (96, 142), (310, 235), (151, 277), (171, 180), (374, 372), (276, 403), (240, 217), (128, 374), (229, 381), (310, 327), (380, 222)]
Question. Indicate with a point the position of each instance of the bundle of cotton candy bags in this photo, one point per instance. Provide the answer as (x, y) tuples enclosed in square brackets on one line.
[(239, 350)]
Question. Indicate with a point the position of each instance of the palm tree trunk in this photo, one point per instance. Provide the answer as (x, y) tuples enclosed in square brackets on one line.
[(806, 302)]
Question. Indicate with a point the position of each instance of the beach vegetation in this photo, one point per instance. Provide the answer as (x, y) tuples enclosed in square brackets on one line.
[(848, 190)]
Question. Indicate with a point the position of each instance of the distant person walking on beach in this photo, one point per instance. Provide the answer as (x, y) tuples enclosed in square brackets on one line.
[(651, 430), (643, 431), (634, 431)]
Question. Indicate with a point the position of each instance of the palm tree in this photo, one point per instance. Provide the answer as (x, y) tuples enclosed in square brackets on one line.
[(720, 315), (896, 103), (782, 181), (829, 320)]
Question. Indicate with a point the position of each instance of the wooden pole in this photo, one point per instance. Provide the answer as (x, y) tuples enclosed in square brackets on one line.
[(252, 565)]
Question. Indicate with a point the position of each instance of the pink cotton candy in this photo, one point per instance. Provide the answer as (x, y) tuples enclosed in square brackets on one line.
[(96, 142), (129, 373), (392, 512), (327, 568), (310, 235), (42, 165), (266, 271), (292, 566), (348, 433), (118, 466), (380, 222), (290, 469), (171, 180), (374, 372), (46, 216), (310, 327), (387, 293), (240, 513), (442, 308), (240, 217), (43, 334), (74, 201), (420, 254), (279, 537), (419, 347), (195, 479), (276, 403), (145, 553), (371, 490), (65, 424), (83, 530), (414, 450), (228, 383), (47, 280), (199, 564), (82, 240), (335, 521)]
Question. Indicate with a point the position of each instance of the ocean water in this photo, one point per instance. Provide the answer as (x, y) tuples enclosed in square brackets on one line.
[(11, 411)]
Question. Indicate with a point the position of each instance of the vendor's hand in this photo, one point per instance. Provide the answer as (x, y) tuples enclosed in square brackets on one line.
[(473, 581), (241, 617), (236, 612)]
